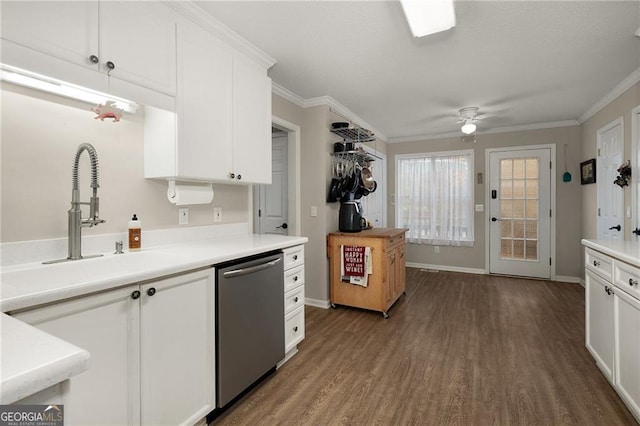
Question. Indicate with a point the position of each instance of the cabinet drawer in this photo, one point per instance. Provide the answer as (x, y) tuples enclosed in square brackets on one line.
[(627, 278), (293, 257), (293, 278), (294, 299), (599, 263), (293, 329)]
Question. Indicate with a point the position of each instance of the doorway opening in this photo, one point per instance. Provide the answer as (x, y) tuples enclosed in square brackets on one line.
[(275, 208)]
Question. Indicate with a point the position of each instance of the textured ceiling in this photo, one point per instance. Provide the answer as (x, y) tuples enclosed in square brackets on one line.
[(520, 62)]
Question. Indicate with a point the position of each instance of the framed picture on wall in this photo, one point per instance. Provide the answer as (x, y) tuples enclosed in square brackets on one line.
[(588, 171)]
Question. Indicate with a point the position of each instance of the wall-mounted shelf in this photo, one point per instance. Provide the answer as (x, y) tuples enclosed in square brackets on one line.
[(353, 133)]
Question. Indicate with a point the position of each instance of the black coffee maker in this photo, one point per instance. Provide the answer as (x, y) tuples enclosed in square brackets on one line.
[(350, 219)]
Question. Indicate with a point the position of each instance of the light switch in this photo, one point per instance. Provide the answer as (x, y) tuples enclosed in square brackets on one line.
[(479, 207), (217, 214), (314, 211)]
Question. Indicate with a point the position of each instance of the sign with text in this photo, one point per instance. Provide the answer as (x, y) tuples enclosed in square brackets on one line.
[(31, 415)]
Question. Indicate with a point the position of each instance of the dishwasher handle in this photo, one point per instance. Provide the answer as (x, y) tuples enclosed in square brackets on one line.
[(251, 269)]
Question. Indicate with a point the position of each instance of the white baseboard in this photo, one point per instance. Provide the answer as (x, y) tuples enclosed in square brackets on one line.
[(568, 279), (560, 278), (318, 303), (446, 268)]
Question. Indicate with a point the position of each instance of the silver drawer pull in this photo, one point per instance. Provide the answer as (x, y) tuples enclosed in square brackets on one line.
[(633, 282), (596, 263)]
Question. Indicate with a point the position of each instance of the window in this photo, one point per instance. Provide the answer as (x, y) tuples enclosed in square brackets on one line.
[(434, 197)]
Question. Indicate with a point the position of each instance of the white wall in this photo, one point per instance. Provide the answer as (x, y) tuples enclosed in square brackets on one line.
[(39, 137)]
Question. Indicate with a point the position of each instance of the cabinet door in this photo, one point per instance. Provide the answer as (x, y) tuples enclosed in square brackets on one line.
[(66, 30), (177, 335), (203, 105), (400, 271), (627, 349), (139, 38), (390, 289), (251, 122), (106, 325), (599, 322)]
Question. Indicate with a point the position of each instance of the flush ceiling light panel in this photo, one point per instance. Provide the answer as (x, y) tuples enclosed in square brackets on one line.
[(429, 16), (46, 84)]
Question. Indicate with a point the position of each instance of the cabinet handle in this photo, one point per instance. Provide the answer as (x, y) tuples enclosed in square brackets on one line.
[(295, 329), (633, 282), (295, 299), (239, 176), (232, 175), (608, 290), (295, 278), (135, 295), (295, 257), (110, 65), (94, 59), (596, 263), (151, 291)]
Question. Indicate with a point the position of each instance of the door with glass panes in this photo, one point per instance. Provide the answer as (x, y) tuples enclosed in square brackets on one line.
[(520, 212)]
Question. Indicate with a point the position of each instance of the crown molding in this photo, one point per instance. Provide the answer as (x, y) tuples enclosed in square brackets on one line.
[(200, 16), (328, 101), (287, 94), (625, 85), (525, 127)]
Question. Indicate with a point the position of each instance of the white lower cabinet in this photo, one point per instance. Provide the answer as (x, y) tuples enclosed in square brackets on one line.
[(106, 325), (613, 323), (152, 351), (293, 299), (599, 322), (627, 350)]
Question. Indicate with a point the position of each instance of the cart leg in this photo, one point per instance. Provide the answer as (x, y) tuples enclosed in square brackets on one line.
[(385, 315)]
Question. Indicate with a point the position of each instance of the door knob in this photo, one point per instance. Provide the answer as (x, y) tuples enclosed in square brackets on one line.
[(283, 226), (617, 228)]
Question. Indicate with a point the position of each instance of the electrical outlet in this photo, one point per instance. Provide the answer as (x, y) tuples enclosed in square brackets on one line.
[(436, 249), (183, 216), (217, 214)]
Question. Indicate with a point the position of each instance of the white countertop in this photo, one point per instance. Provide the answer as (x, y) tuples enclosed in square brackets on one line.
[(33, 360), (627, 251)]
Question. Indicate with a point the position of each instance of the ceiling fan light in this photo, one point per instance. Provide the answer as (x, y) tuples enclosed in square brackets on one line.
[(468, 128), (430, 16)]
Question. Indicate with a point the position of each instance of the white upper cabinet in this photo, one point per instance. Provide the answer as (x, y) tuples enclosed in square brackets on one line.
[(136, 38), (222, 128), (251, 122)]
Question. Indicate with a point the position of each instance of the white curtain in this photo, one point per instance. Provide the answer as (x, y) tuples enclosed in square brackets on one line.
[(434, 197)]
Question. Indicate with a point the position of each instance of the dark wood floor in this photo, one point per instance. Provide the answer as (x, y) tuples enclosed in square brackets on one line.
[(457, 349)]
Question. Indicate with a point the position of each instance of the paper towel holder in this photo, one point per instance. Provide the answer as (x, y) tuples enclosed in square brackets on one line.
[(172, 193)]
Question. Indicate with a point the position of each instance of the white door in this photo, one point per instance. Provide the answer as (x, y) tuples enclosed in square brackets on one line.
[(373, 205), (635, 173), (519, 212), (106, 325), (177, 349), (610, 196), (272, 200)]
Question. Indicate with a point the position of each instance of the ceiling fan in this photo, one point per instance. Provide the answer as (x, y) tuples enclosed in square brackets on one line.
[(468, 117)]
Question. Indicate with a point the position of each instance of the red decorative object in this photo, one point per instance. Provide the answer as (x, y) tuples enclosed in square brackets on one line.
[(108, 111)]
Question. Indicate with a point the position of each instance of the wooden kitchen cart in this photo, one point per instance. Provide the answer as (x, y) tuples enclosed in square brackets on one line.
[(387, 281)]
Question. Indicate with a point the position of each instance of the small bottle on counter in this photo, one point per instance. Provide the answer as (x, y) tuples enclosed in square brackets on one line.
[(135, 233)]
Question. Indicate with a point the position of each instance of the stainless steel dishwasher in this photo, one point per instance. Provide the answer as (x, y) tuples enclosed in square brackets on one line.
[(250, 323)]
